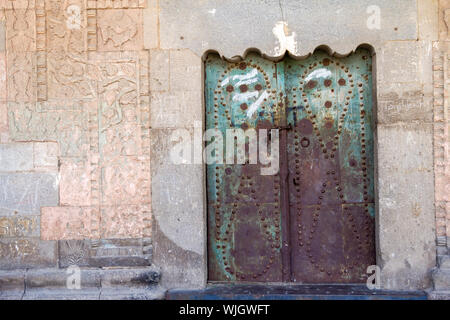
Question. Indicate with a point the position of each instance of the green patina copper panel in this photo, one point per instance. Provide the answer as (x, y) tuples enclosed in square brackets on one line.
[(244, 217)]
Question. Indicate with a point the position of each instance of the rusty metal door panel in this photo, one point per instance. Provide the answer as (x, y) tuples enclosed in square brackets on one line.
[(244, 218), (331, 167), (313, 222)]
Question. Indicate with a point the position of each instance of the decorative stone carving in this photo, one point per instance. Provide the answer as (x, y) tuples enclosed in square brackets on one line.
[(20, 30), (28, 122), (105, 252), (70, 76), (74, 252), (441, 75), (126, 180), (119, 30), (75, 223), (130, 221), (444, 20), (66, 26), (116, 4), (21, 77), (94, 105)]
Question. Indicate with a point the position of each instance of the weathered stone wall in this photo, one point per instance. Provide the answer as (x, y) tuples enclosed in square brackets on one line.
[(90, 92), (75, 152), (402, 47)]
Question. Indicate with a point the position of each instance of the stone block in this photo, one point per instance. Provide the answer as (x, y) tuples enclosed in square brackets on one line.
[(17, 4), (116, 4), (75, 186), (62, 294), (405, 148), (20, 30), (12, 280), (122, 222), (27, 253), (61, 66), (406, 219), (45, 154), (47, 122), (428, 12), (151, 25), (16, 157), (399, 102), (105, 253), (18, 226), (119, 30), (175, 109), (2, 36), (63, 27), (441, 156), (74, 252), (121, 252), (154, 293), (159, 70), (57, 279), (126, 180), (3, 71), (444, 20), (58, 223), (444, 263), (185, 71), (398, 61), (21, 76), (441, 279), (234, 26), (134, 278), (26, 193), (3, 122), (180, 268), (178, 233)]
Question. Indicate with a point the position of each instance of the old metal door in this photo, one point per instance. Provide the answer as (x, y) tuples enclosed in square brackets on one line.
[(313, 222), (331, 167), (244, 206)]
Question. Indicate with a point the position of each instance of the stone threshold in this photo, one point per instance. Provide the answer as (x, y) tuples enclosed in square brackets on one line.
[(95, 284), (292, 292)]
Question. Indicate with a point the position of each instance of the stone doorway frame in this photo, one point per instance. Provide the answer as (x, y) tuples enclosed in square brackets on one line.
[(330, 54), (399, 181)]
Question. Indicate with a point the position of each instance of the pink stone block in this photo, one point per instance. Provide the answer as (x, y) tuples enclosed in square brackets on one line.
[(70, 223), (131, 221), (20, 30), (126, 180), (442, 187), (75, 183), (119, 30)]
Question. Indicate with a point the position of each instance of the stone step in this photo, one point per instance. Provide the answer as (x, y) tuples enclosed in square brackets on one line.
[(291, 292), (94, 283), (439, 295), (151, 293), (441, 279)]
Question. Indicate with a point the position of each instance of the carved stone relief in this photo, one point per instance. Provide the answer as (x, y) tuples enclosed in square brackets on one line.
[(77, 75)]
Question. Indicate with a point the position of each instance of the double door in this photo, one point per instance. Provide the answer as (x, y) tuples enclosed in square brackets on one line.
[(312, 221)]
